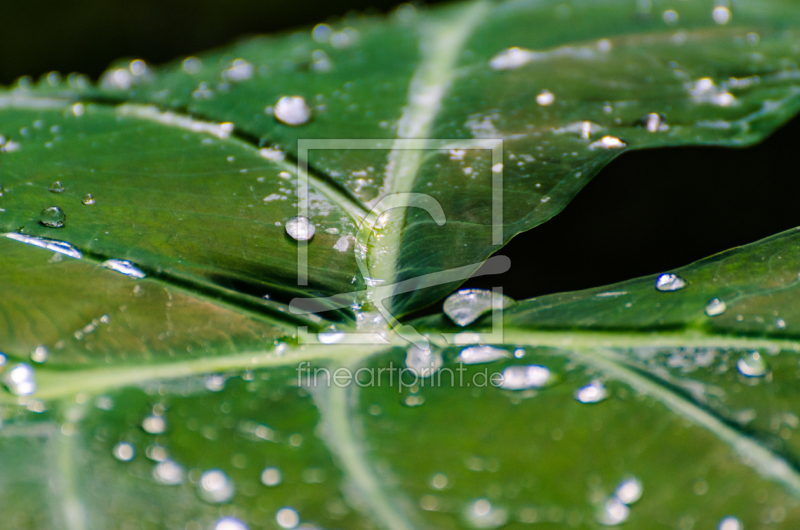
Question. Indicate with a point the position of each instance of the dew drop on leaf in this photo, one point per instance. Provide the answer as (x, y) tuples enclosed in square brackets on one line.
[(330, 335), (594, 392), (629, 491), (88, 200), (607, 142), (423, 363), (715, 307), (292, 110), (669, 282), (480, 354), (466, 305), (53, 217), (730, 523), (230, 523), (614, 512), (56, 187), (481, 514), (287, 518), (215, 383), (271, 476), (20, 380), (300, 228), (525, 377), (215, 487), (124, 452), (39, 354), (168, 473), (752, 365), (545, 98), (124, 267), (154, 424)]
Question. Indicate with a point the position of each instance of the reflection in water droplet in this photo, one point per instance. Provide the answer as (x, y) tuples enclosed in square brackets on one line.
[(20, 380), (594, 392), (39, 354), (629, 491), (423, 363), (730, 523), (752, 364), (330, 335), (300, 228), (292, 110), (53, 217), (124, 267), (669, 282), (56, 187), (88, 200), (50, 244), (154, 424), (545, 98), (525, 377), (715, 307), (287, 518), (614, 512), (607, 142), (168, 472), (481, 514), (230, 523), (465, 306), (480, 354), (271, 476), (215, 487), (124, 452)]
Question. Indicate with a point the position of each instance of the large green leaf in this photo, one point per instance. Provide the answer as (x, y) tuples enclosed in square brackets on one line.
[(191, 369)]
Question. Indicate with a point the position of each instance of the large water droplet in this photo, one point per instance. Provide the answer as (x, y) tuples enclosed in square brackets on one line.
[(752, 364), (124, 267), (53, 217), (300, 228), (481, 514), (50, 244), (423, 363), (330, 335), (594, 392), (629, 491), (466, 305), (292, 110), (480, 354), (230, 523), (614, 512), (669, 282), (56, 187), (39, 354), (20, 380), (715, 307), (730, 523), (525, 377), (287, 518), (215, 487), (124, 452), (168, 472), (271, 476), (88, 200)]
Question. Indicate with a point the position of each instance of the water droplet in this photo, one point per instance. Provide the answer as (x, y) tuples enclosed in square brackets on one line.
[(607, 142), (56, 187), (287, 518), (240, 70), (50, 244), (320, 62), (53, 217), (124, 452), (215, 487), (670, 16), (439, 481), (466, 305), (654, 122), (525, 377), (614, 512), (669, 282), (730, 523), (629, 491), (168, 472), (292, 110), (2, 191), (20, 380), (721, 15), (780, 323), (321, 33), (192, 65), (230, 523), (39, 354), (545, 98), (752, 364), (215, 383), (423, 363), (330, 335), (480, 354), (594, 392), (271, 476), (124, 267), (154, 424), (300, 228), (88, 200), (481, 514), (715, 307)]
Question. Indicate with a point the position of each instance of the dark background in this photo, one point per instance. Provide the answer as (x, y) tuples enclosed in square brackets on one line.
[(647, 212)]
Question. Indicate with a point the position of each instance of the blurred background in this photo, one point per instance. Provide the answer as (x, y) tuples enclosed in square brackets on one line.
[(647, 212)]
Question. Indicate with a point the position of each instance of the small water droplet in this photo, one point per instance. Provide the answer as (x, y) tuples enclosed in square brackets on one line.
[(287, 518), (670, 16), (614, 512), (668, 282), (481, 354), (721, 15), (545, 98), (629, 491), (230, 523), (654, 122), (124, 267), (525, 377), (439, 481), (53, 217), (39, 354), (50, 244), (154, 424), (88, 200), (466, 305), (215, 487), (56, 187), (271, 476), (715, 307), (481, 514), (300, 228), (330, 335), (730, 523), (124, 452), (594, 392), (292, 110), (168, 472), (240, 70), (607, 142), (423, 363), (20, 380), (752, 364), (215, 383), (780, 323)]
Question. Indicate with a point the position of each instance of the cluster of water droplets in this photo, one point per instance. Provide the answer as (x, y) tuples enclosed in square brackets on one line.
[(616, 508)]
